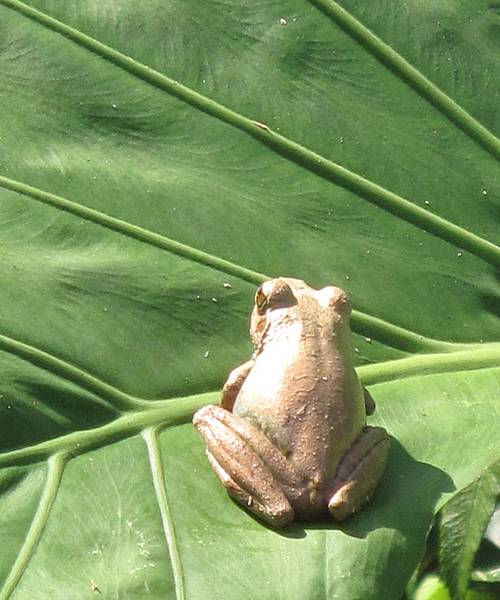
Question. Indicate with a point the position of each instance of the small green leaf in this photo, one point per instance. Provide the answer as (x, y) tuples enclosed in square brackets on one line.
[(463, 521)]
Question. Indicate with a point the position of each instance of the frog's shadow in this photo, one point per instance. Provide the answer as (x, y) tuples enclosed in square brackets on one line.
[(406, 494)]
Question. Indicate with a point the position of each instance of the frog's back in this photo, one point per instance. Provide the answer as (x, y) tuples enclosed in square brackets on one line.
[(307, 400)]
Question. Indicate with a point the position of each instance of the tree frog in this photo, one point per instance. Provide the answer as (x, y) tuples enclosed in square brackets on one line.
[(290, 438)]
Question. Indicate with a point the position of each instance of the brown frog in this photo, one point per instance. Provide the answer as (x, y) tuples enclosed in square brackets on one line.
[(290, 439)]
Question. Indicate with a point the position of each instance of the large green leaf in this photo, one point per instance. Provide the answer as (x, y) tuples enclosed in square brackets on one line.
[(347, 143)]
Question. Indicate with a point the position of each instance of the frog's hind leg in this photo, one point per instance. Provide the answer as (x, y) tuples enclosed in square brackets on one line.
[(252, 470), (274, 508), (358, 472)]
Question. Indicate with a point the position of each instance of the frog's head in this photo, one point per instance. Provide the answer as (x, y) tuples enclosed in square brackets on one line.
[(284, 300)]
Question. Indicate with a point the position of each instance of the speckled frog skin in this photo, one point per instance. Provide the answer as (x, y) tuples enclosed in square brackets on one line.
[(290, 438)]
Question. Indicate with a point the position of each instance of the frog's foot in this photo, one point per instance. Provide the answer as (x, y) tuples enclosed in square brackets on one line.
[(266, 500), (358, 472), (253, 471)]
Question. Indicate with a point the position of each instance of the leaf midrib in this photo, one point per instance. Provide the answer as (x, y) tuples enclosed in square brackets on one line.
[(169, 412), (118, 400), (313, 162)]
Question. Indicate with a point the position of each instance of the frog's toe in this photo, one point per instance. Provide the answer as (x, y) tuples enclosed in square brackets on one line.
[(359, 472), (277, 514), (202, 415)]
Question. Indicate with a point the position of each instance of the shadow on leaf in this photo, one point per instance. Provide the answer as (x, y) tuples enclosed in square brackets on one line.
[(404, 500)]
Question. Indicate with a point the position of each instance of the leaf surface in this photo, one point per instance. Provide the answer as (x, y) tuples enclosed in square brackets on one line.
[(156, 163)]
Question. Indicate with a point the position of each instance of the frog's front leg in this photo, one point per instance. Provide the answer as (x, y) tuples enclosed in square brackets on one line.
[(369, 402), (233, 384), (253, 470), (358, 472)]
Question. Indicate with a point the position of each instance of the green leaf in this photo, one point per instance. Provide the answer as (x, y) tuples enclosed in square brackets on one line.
[(432, 588), (487, 560), (463, 521), (158, 160)]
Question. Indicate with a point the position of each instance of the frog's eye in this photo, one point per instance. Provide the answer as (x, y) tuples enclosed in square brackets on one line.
[(261, 301)]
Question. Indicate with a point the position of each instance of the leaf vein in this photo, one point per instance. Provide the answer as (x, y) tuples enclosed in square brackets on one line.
[(81, 441), (132, 231), (408, 73), (362, 323), (485, 357), (155, 461), (48, 362), (379, 196), (56, 464), (169, 412)]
